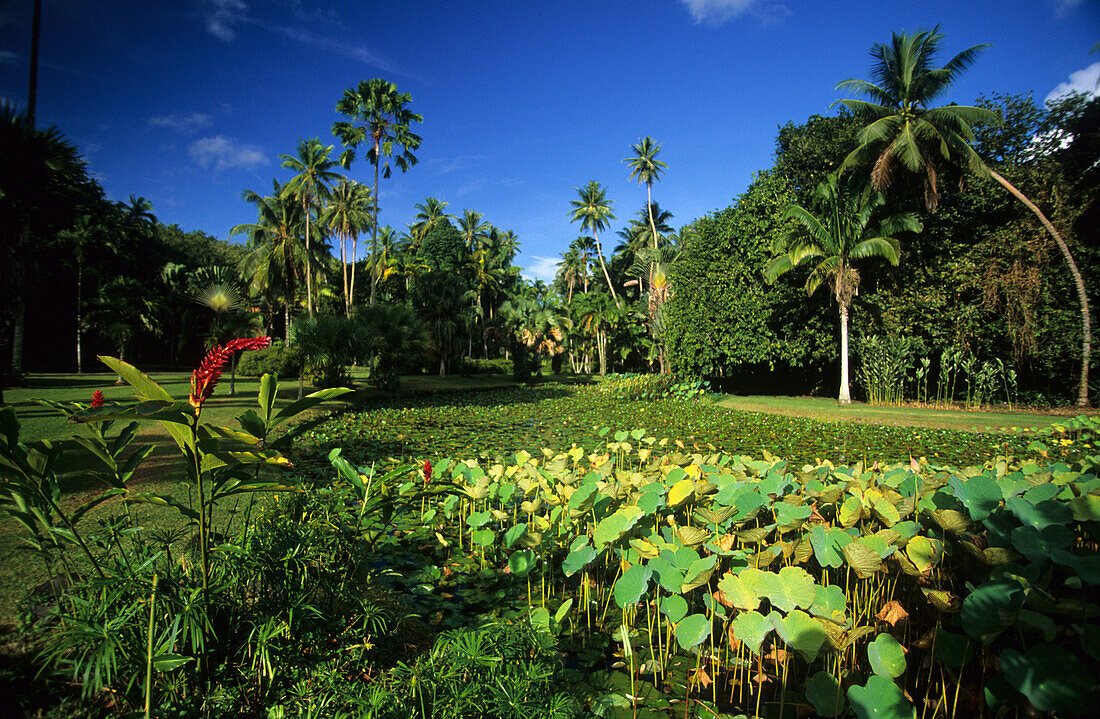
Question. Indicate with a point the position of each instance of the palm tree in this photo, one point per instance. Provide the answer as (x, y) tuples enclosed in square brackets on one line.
[(843, 234), (347, 214), (901, 126), (276, 255), (385, 119), (474, 229), (310, 186), (396, 335), (645, 166), (429, 214), (593, 209)]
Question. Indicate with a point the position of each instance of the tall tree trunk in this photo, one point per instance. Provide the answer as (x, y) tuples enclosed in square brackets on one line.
[(286, 323), (354, 258), (601, 348), (79, 316), (845, 397), (374, 229), (344, 273), (18, 320), (1078, 282), (309, 270), (599, 254)]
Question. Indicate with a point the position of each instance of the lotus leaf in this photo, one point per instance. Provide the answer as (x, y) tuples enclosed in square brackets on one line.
[(740, 590), (478, 519), (483, 537), (924, 552), (828, 544), (1087, 567), (692, 630), (981, 495), (1086, 508), (953, 650), (577, 560), (1050, 677), (887, 656), (681, 492), (991, 608), (612, 528), (800, 631), (674, 607), (850, 512), (1041, 514), (632, 585), (886, 511), (880, 699), (513, 534), (791, 588), (862, 558), (823, 691), (830, 603), (668, 576), (698, 573), (751, 628)]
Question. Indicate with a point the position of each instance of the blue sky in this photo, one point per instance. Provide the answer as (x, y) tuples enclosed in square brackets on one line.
[(188, 102)]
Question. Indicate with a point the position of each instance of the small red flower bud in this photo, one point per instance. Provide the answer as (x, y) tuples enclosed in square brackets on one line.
[(427, 470), (97, 399)]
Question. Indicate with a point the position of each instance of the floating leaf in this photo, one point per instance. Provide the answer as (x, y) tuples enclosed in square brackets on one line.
[(887, 656)]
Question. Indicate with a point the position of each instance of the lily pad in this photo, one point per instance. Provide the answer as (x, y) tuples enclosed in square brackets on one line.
[(800, 632), (823, 691), (751, 628), (632, 585), (692, 630), (674, 607), (887, 656), (1050, 677), (790, 589), (880, 698)]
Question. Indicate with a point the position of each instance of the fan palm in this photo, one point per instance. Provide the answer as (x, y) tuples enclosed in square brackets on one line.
[(842, 234), (902, 127), (347, 214), (645, 166), (593, 210), (309, 186), (384, 122)]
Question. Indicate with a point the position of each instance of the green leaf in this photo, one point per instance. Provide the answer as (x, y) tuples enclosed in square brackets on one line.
[(738, 592), (1050, 677), (979, 494), (144, 387), (991, 608), (825, 694), (307, 402), (674, 607), (886, 656), (669, 577), (514, 534), (751, 628), (924, 553), (698, 573), (632, 585), (801, 632), (862, 558), (830, 603), (850, 512), (828, 544), (521, 562), (791, 588), (692, 630), (577, 560), (168, 662), (269, 389), (612, 528), (880, 699)]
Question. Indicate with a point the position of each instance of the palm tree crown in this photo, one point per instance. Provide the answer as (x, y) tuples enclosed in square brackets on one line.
[(593, 210), (311, 184)]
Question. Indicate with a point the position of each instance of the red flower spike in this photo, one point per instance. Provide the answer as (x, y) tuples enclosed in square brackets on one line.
[(205, 378), (97, 399), (427, 470)]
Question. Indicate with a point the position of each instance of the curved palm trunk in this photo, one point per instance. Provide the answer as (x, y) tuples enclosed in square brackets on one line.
[(354, 259), (1079, 283), (845, 397), (344, 272), (599, 254)]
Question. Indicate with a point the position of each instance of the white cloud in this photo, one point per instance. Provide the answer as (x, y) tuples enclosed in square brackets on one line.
[(186, 124), (362, 53), (717, 12), (1081, 81), (8, 57), (542, 268), (222, 153), (222, 15), (1065, 7)]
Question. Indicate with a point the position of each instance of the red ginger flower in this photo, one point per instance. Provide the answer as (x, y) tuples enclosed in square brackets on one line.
[(97, 399), (205, 378), (427, 470)]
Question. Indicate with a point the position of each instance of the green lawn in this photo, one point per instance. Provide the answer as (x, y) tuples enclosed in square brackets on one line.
[(827, 410)]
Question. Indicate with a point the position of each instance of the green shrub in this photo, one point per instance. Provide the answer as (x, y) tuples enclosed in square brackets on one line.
[(278, 359), (486, 366)]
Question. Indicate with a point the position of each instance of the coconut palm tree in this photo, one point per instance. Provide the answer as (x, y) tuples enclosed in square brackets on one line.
[(430, 213), (645, 166), (346, 215), (474, 229), (310, 186), (384, 123), (842, 234), (593, 209), (276, 257), (902, 128)]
